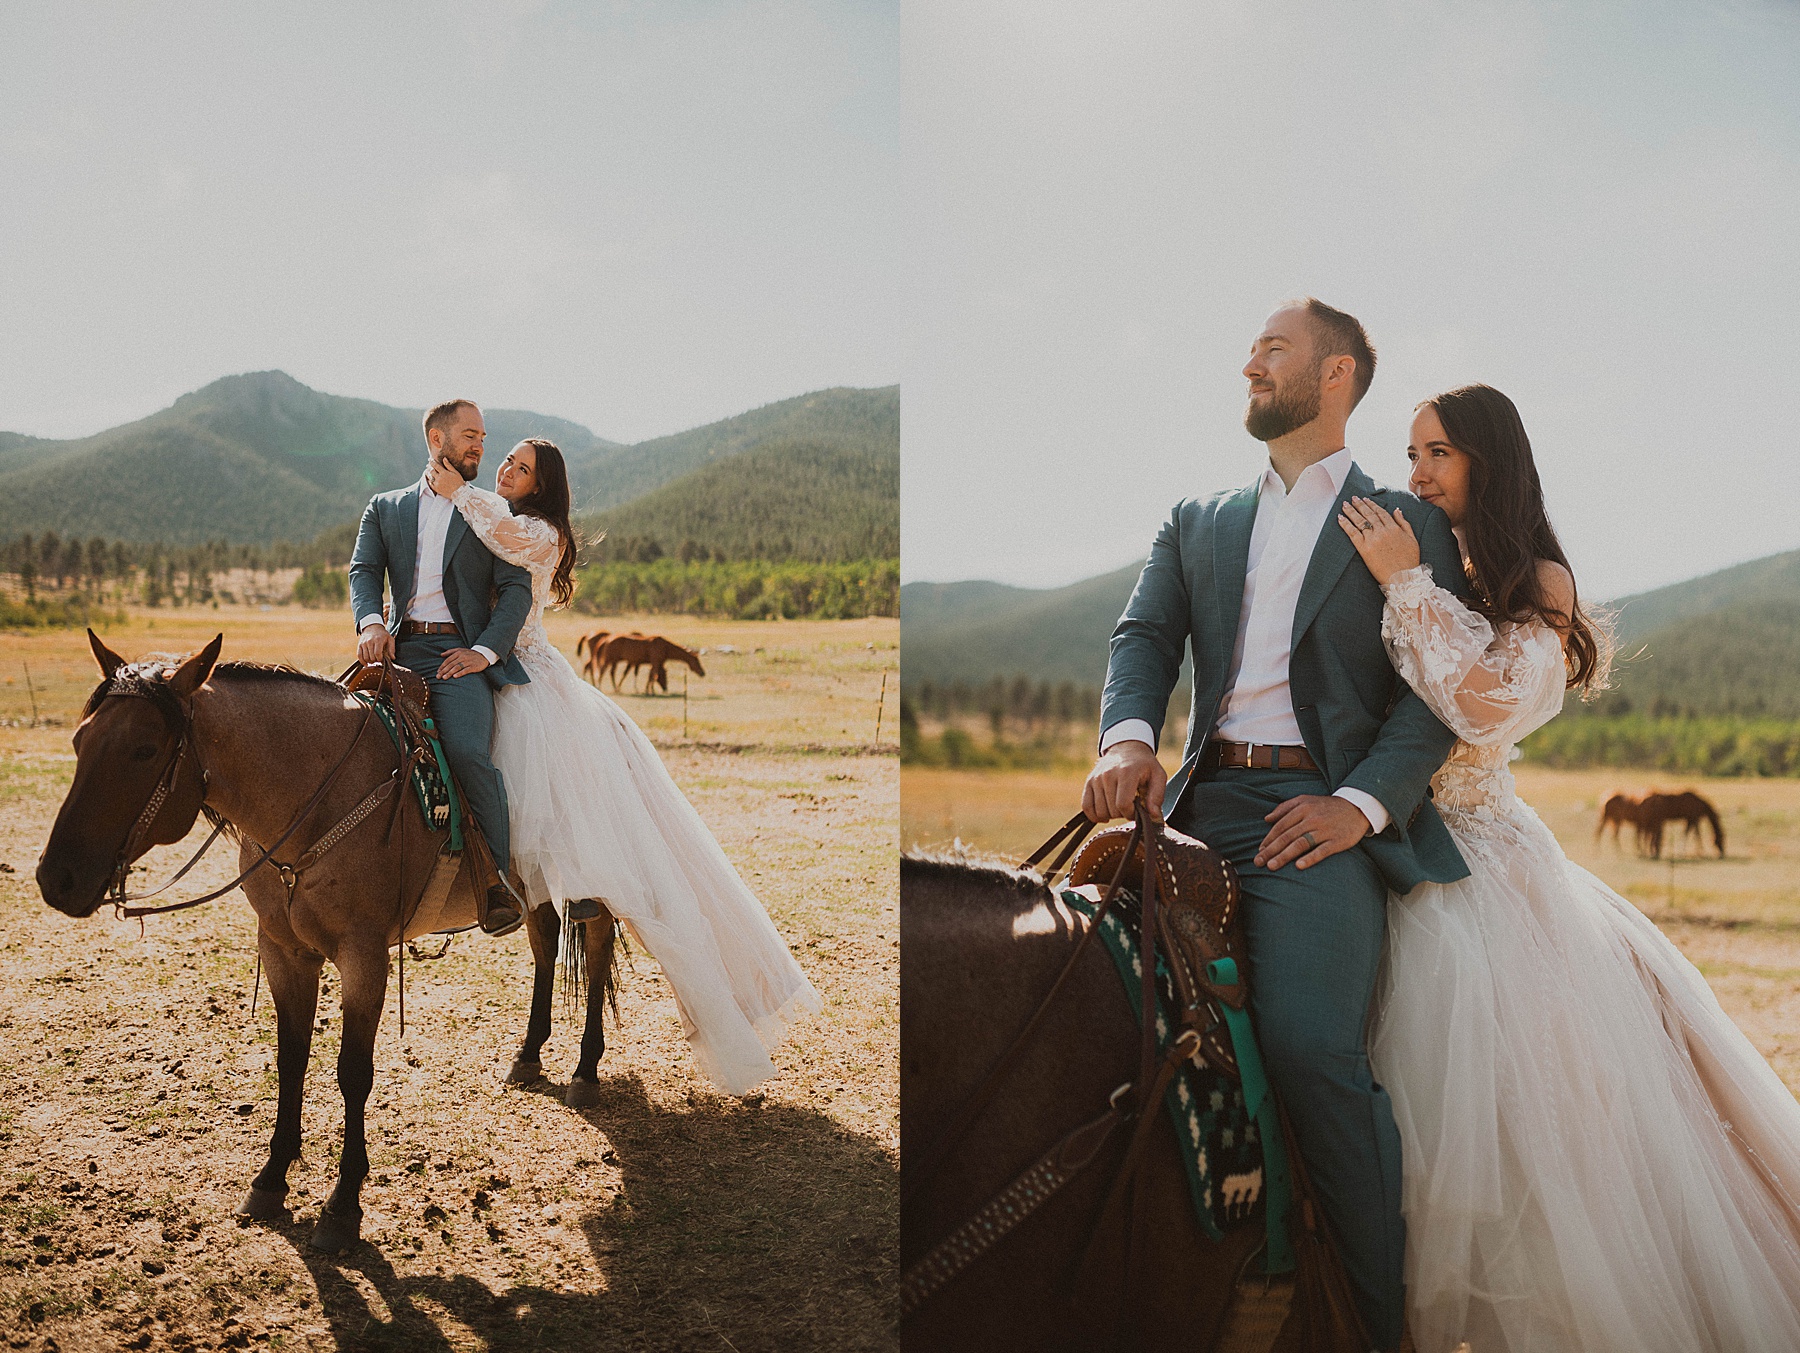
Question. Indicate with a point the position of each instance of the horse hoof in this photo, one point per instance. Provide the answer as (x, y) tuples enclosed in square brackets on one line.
[(334, 1234), (264, 1205), (524, 1073), (581, 1094)]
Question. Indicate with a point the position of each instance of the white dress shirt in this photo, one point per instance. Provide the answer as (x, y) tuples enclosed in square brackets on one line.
[(1259, 704), (428, 604)]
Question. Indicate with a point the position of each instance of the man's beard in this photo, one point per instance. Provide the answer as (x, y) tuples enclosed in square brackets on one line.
[(1287, 410)]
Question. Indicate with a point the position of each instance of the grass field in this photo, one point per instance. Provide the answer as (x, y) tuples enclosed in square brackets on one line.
[(1737, 919), (139, 1087)]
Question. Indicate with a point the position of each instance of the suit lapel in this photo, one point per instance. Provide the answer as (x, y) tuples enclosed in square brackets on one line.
[(405, 564), (1232, 525), (1331, 553)]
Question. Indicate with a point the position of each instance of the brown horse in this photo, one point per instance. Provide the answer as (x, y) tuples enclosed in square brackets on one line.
[(634, 650), (1619, 809), (1657, 809), (979, 947), (590, 644), (268, 753)]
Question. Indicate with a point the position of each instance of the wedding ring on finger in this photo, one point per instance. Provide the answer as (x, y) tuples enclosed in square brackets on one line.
[(1310, 843)]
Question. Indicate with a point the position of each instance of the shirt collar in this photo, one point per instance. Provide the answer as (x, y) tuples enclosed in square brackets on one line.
[(425, 489), (1335, 468)]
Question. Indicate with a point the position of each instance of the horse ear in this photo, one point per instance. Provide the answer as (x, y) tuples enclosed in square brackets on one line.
[(109, 661), (193, 673)]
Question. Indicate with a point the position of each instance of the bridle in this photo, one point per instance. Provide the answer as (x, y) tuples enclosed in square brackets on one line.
[(144, 687)]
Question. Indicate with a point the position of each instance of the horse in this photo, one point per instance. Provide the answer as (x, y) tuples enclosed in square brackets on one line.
[(979, 947), (665, 651), (275, 755), (1688, 808), (590, 644), (635, 650), (1618, 809)]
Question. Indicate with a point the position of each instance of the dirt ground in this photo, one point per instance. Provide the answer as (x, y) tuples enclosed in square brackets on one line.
[(139, 1085), (1737, 919)]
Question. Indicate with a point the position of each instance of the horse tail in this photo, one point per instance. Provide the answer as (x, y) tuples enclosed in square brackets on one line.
[(611, 946), (573, 956)]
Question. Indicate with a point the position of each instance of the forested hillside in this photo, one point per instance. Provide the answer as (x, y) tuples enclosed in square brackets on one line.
[(785, 500)]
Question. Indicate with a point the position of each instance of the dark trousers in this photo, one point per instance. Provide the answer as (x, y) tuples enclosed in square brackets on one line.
[(1315, 939), (463, 710)]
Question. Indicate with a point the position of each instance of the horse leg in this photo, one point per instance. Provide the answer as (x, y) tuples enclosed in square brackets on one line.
[(294, 987), (544, 928), (365, 978), (584, 1085)]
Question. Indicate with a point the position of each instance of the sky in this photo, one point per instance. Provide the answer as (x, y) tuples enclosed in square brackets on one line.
[(639, 216), (1594, 207)]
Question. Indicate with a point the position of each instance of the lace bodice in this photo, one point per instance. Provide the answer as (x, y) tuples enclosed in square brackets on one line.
[(529, 542), (1490, 687)]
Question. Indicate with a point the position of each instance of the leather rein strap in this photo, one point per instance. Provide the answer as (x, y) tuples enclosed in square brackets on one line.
[(289, 874), (1063, 1162)]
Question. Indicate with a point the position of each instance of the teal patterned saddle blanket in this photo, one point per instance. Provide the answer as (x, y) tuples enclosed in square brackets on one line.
[(432, 785)]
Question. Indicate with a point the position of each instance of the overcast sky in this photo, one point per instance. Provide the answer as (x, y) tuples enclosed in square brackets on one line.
[(639, 216), (1594, 207)]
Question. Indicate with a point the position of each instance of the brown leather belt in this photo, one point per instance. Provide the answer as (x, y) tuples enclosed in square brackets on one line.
[(412, 627), (1255, 756)]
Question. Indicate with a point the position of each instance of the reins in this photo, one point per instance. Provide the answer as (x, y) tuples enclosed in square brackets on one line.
[(1079, 1148), (290, 874)]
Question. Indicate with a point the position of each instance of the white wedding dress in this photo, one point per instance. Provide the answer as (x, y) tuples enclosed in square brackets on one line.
[(1595, 1158), (594, 813)]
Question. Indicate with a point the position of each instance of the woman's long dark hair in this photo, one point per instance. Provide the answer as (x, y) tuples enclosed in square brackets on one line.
[(1507, 532), (549, 501)]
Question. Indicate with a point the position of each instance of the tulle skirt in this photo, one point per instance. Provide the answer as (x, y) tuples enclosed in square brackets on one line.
[(594, 813), (1595, 1157)]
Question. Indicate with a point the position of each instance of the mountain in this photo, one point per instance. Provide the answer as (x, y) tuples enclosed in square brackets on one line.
[(865, 421), (1774, 578), (261, 457), (784, 499), (971, 631), (1724, 643)]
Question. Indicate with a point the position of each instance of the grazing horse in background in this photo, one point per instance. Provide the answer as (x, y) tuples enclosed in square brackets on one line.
[(285, 762), (590, 644), (1688, 808), (634, 650), (663, 652), (1618, 809), (979, 948)]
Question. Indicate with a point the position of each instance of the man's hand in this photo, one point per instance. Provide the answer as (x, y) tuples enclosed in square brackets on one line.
[(374, 644), (1113, 784), (1310, 828), (461, 662)]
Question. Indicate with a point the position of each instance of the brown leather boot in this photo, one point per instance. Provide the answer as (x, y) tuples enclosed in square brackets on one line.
[(499, 910)]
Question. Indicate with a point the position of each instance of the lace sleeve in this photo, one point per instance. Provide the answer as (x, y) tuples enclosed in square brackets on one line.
[(530, 542), (1488, 687)]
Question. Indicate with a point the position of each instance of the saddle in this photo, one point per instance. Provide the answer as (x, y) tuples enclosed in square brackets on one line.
[(1199, 923)]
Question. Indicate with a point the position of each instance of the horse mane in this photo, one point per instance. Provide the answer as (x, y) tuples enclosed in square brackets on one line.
[(949, 865), (274, 671)]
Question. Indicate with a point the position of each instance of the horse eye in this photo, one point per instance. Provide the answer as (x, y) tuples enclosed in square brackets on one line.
[(143, 754)]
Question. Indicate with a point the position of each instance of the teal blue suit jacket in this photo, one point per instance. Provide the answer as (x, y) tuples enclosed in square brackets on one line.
[(1363, 725), (489, 599)]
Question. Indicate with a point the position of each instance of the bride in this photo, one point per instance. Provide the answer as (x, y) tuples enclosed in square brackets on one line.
[(1595, 1157), (595, 814)]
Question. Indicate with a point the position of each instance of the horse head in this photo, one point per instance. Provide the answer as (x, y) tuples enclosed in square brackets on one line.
[(130, 748)]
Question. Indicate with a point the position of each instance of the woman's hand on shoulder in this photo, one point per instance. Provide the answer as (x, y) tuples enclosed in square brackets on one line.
[(1384, 539)]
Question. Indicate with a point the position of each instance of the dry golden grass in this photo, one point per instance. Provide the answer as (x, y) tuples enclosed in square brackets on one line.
[(1737, 919), (139, 1087)]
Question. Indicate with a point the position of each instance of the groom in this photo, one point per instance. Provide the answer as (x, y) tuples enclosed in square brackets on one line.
[(1314, 758), (456, 610)]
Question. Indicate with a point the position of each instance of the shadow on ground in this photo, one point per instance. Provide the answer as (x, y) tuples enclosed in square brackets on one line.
[(739, 1226)]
